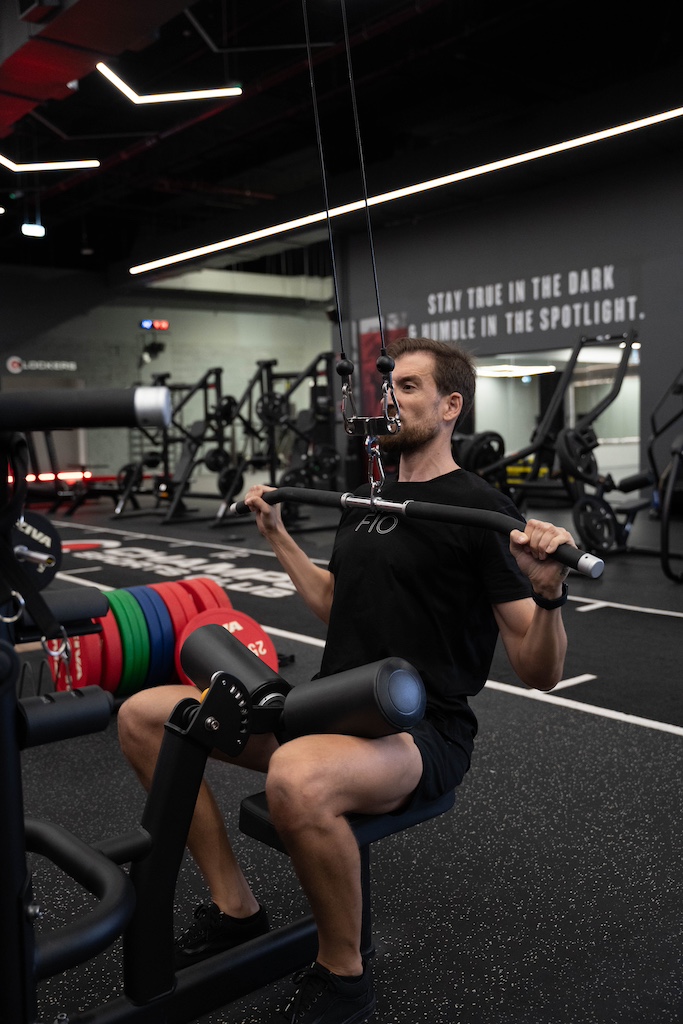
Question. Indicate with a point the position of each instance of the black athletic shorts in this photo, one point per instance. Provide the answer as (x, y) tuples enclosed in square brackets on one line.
[(444, 761)]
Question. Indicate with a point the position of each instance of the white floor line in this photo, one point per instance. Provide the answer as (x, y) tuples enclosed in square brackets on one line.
[(83, 582), (182, 542), (590, 605), (312, 640), (574, 681), (591, 709)]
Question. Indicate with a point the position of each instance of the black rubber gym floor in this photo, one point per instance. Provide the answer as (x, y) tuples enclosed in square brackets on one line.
[(551, 893)]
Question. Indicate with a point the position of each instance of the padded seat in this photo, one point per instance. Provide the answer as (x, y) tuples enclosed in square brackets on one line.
[(255, 820)]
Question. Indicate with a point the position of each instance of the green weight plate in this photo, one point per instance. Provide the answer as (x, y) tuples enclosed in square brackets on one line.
[(140, 638), (127, 643), (134, 669), (141, 631)]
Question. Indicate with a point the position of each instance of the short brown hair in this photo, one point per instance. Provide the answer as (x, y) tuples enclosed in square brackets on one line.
[(453, 367)]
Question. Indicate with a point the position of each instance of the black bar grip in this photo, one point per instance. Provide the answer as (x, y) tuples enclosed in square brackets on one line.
[(566, 554), (58, 409), (303, 495)]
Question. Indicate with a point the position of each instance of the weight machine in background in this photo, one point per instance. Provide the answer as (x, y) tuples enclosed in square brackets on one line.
[(552, 464), (229, 436), (175, 450), (600, 525), (606, 527), (667, 494), (296, 447)]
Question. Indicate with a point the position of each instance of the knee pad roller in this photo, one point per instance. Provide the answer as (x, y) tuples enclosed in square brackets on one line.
[(372, 700)]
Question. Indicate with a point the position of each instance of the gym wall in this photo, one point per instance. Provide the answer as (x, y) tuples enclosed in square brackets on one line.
[(597, 253), (58, 324)]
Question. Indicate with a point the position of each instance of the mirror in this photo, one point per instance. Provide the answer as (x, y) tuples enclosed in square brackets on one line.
[(514, 389)]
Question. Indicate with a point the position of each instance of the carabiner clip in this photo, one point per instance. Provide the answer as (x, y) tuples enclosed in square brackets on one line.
[(389, 398), (375, 468), (21, 604), (62, 655), (348, 402)]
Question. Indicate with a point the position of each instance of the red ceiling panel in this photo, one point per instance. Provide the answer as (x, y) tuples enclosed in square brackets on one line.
[(70, 45)]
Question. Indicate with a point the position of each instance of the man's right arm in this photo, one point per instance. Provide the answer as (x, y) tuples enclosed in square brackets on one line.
[(312, 582)]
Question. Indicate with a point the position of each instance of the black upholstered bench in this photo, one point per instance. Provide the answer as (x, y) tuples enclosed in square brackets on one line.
[(368, 828)]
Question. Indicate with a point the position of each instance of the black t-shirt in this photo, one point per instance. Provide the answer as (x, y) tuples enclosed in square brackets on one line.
[(422, 591)]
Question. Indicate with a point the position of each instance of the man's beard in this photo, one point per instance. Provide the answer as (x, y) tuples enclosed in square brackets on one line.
[(408, 440)]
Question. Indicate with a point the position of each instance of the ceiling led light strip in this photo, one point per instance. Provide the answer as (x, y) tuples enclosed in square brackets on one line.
[(50, 165), (166, 97), (411, 190), (508, 370)]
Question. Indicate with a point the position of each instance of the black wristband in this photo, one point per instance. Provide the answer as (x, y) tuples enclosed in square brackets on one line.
[(543, 602)]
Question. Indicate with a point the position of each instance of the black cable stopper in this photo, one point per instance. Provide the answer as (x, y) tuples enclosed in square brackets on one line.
[(344, 367), (385, 364)]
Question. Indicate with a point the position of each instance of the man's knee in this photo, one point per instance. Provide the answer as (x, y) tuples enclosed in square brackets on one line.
[(295, 787), (143, 715)]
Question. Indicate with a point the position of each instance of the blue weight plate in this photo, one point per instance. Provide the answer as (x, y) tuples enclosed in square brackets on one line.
[(166, 624), (159, 667)]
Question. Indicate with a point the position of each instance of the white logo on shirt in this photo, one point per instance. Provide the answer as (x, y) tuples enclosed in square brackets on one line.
[(378, 523)]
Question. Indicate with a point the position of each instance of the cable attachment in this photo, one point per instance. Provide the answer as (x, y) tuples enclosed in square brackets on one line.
[(370, 426), (375, 468)]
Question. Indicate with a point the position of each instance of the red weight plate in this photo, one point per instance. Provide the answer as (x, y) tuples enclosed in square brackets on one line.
[(221, 598), (185, 598), (181, 608), (246, 630), (85, 665), (204, 597), (112, 653)]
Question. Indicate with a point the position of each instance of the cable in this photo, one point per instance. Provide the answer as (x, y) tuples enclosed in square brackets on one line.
[(368, 427)]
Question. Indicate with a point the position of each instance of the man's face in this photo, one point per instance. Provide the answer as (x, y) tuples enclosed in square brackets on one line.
[(420, 404)]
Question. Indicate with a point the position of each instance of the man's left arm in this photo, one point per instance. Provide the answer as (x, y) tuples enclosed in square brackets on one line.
[(533, 634)]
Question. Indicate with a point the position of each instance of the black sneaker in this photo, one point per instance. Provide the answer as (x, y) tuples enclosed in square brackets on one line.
[(325, 998), (213, 932)]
